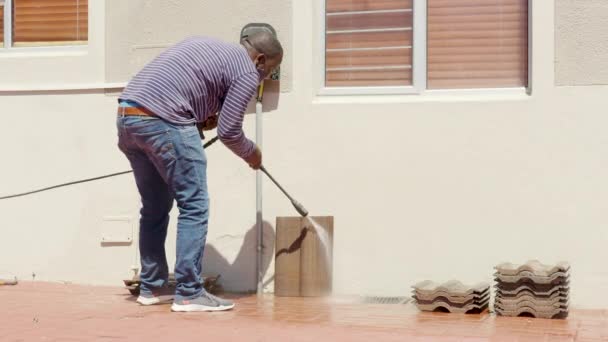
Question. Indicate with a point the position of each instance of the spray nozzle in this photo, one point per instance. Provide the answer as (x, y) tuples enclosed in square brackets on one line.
[(300, 208)]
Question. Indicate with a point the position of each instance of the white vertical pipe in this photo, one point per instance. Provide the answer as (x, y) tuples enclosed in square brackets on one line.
[(420, 45), (530, 47), (8, 24), (258, 199)]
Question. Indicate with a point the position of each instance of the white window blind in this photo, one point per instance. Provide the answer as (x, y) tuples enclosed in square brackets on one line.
[(50, 22), (477, 43)]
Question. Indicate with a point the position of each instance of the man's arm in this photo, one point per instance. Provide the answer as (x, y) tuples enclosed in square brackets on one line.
[(230, 122)]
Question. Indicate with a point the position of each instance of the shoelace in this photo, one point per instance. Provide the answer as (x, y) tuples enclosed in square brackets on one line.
[(212, 298), (215, 299)]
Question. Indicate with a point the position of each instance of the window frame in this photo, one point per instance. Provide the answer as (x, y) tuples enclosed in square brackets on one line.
[(59, 68), (8, 36), (419, 62)]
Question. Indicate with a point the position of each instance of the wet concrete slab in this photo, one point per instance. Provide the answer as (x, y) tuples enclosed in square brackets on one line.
[(36, 311)]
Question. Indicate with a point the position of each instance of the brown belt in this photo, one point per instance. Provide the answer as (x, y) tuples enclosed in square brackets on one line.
[(134, 111)]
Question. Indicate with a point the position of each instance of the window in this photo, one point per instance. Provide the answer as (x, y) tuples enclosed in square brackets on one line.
[(45, 22), (377, 46), (369, 43)]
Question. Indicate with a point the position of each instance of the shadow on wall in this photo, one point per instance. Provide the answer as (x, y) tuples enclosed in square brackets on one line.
[(272, 92), (240, 276)]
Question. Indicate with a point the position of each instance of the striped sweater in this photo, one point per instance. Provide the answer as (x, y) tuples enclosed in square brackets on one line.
[(198, 78)]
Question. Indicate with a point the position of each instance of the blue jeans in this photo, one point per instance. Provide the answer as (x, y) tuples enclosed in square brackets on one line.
[(169, 163)]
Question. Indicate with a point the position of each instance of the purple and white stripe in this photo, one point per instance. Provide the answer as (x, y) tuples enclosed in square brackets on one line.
[(196, 79)]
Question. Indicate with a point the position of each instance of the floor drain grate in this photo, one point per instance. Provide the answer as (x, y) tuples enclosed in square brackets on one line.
[(386, 300)]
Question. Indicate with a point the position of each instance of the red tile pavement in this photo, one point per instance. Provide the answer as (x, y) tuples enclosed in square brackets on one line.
[(34, 311)]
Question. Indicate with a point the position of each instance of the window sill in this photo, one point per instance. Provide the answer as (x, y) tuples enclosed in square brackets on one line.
[(62, 88), (51, 68), (456, 95), (44, 51), (368, 91)]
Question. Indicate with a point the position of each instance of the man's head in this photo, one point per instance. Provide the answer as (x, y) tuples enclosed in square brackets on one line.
[(265, 51)]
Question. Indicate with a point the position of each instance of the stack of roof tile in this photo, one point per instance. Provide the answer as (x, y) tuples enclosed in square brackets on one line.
[(452, 296), (532, 289)]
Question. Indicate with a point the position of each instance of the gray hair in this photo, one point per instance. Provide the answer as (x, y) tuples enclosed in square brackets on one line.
[(263, 42)]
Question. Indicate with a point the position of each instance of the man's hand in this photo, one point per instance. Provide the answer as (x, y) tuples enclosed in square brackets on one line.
[(255, 159)]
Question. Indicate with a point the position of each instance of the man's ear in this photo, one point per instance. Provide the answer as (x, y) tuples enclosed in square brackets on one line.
[(261, 61)]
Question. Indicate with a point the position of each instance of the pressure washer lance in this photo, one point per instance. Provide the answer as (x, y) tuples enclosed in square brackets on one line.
[(299, 207)]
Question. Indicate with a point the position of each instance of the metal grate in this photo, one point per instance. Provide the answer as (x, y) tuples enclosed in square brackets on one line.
[(386, 300)]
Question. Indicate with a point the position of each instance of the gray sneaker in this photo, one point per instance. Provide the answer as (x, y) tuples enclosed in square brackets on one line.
[(158, 296), (205, 302)]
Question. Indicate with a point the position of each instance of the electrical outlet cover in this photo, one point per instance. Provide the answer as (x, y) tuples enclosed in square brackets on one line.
[(117, 230)]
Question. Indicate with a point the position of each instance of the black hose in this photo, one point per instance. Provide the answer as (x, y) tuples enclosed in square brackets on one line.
[(207, 144)]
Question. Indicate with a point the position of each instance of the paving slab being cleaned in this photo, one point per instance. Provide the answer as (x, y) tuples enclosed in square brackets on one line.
[(36, 311)]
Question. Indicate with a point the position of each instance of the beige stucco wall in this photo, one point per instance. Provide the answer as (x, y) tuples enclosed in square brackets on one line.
[(581, 42), (439, 186), (138, 30)]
